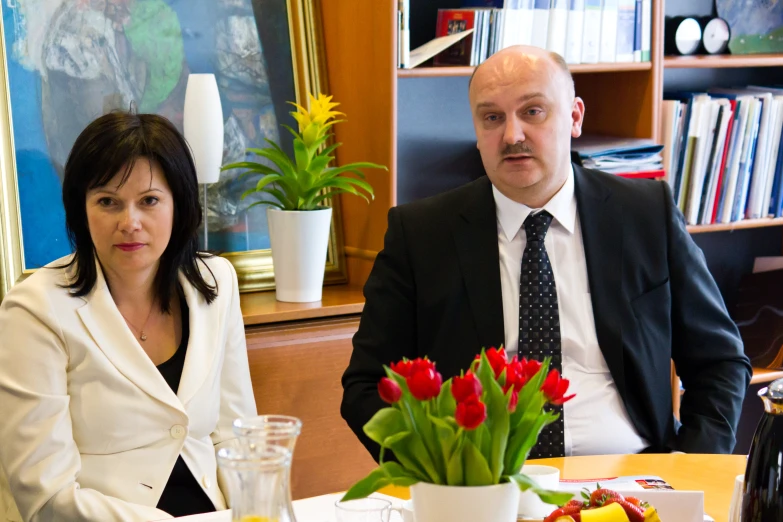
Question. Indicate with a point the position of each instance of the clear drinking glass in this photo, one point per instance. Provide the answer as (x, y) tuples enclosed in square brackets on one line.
[(257, 433), (257, 483), (363, 510), (277, 430)]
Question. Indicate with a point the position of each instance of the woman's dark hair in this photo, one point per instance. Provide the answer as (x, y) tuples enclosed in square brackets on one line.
[(112, 144)]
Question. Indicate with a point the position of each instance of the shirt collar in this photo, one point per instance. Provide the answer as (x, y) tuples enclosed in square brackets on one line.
[(511, 215)]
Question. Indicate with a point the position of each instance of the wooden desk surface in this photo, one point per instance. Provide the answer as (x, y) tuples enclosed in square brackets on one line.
[(713, 474), (263, 308)]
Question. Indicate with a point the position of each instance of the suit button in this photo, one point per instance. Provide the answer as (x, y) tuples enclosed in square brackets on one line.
[(178, 432), (206, 482)]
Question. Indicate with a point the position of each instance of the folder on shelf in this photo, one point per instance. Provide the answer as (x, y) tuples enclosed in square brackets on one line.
[(424, 52)]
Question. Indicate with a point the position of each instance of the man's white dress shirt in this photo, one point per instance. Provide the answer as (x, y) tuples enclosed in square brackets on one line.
[(596, 421)]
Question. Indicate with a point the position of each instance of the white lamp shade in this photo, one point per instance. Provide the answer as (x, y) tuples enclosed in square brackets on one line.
[(203, 123)]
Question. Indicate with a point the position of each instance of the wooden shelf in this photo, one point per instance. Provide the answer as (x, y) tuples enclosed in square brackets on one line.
[(761, 375), (262, 308), (723, 61), (429, 72), (737, 225)]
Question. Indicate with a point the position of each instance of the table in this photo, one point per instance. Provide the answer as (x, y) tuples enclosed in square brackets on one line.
[(713, 474)]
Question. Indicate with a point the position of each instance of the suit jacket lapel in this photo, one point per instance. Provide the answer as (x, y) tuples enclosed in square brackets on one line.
[(202, 343), (107, 327), (600, 217), (476, 237)]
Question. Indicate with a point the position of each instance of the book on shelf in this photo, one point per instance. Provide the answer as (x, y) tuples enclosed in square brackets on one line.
[(453, 21), (724, 151), (608, 46), (591, 33), (581, 31), (574, 31), (558, 27), (628, 157)]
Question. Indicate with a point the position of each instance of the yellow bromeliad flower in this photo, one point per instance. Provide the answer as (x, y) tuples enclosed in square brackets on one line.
[(308, 178), (314, 123)]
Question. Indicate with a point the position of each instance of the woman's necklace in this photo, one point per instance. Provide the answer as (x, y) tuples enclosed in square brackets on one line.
[(142, 335)]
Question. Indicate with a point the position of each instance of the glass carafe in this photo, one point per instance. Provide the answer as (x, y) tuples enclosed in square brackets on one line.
[(762, 499), (257, 483), (257, 433)]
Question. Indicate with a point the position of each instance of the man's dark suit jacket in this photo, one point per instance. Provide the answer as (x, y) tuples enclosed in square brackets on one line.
[(435, 290)]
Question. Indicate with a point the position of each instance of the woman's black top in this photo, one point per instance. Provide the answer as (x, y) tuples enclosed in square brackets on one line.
[(182, 495)]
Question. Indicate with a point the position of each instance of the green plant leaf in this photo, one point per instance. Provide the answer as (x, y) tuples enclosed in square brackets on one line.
[(331, 148), (296, 135), (446, 435), (318, 164), (413, 455), (389, 473), (485, 438), (312, 149), (287, 168), (455, 474), (557, 498), (477, 472), (265, 202), (385, 423), (253, 168), (523, 440), (302, 156), (497, 417), (446, 405), (354, 166)]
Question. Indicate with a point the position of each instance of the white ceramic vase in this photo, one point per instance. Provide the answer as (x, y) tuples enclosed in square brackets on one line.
[(434, 503), (300, 239)]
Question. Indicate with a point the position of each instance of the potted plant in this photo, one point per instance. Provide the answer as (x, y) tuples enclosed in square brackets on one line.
[(297, 190), (460, 444)]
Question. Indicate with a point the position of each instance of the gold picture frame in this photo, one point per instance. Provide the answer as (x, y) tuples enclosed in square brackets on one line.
[(254, 267)]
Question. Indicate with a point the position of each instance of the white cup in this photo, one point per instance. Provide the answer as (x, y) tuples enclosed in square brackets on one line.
[(406, 511), (735, 508), (547, 477)]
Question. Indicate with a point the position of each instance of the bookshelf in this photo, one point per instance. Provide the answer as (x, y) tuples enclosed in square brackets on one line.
[(737, 225), (723, 61), (423, 72), (393, 114)]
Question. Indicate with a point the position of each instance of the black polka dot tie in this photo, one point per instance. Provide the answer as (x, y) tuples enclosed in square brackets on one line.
[(539, 322)]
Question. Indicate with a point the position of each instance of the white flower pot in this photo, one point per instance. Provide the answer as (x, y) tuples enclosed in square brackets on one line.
[(433, 503), (299, 240)]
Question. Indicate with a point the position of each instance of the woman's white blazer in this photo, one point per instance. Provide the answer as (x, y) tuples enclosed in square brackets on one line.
[(89, 429)]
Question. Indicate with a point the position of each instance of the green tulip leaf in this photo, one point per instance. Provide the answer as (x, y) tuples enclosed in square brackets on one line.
[(477, 472), (389, 473), (385, 423)]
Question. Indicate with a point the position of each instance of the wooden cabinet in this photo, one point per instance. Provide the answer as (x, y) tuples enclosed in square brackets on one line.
[(296, 370)]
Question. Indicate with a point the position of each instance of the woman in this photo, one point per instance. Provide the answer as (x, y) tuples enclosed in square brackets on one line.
[(122, 366)]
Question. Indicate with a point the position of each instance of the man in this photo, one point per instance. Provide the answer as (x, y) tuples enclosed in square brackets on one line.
[(550, 259)]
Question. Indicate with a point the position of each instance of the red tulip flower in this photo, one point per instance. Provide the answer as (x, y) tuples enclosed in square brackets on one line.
[(513, 400), (531, 368), (464, 387), (497, 359), (470, 413), (554, 389), (403, 367), (424, 384), (389, 390)]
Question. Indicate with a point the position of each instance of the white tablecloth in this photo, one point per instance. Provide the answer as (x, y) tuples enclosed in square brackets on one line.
[(314, 509)]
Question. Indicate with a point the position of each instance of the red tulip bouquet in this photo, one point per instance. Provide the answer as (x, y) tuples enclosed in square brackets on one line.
[(476, 429)]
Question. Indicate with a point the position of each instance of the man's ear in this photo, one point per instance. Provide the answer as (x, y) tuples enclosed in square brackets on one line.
[(577, 117)]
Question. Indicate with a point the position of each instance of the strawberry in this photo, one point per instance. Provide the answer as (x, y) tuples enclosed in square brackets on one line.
[(601, 495), (571, 511), (575, 502), (633, 500), (635, 513)]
